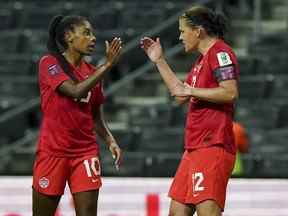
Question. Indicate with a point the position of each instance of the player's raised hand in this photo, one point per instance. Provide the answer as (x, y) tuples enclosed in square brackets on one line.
[(113, 50), (152, 48)]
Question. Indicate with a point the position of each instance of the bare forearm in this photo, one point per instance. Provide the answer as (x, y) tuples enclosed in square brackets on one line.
[(105, 134), (82, 88), (101, 127), (168, 76), (214, 95)]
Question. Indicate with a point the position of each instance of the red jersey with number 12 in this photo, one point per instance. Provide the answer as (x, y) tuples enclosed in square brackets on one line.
[(209, 123), (67, 127)]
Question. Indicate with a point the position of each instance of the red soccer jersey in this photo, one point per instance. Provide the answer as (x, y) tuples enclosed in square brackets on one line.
[(67, 127), (208, 123)]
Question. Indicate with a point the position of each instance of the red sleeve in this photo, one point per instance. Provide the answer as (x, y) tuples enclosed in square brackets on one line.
[(223, 65), (51, 72)]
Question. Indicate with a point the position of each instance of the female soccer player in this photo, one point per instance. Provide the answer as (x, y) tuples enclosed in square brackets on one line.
[(71, 99), (210, 89)]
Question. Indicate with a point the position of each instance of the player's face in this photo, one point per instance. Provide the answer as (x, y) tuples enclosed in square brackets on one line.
[(83, 39), (189, 36)]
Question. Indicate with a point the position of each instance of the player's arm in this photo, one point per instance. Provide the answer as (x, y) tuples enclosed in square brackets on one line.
[(227, 92), (172, 82), (79, 90), (174, 85), (182, 99), (101, 127), (154, 51), (103, 131)]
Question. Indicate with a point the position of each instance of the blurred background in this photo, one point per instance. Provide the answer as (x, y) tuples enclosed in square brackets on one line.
[(147, 123)]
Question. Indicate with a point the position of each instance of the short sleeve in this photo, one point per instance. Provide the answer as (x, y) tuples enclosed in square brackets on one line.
[(223, 66), (51, 73)]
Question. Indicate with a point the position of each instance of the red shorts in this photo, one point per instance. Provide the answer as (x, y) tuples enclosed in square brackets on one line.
[(50, 174), (203, 175)]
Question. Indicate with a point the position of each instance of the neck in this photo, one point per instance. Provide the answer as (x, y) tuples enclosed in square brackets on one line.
[(206, 44), (73, 58)]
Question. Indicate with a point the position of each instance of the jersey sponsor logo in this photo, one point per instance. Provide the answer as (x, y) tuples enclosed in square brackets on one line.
[(53, 69), (223, 58), (43, 182)]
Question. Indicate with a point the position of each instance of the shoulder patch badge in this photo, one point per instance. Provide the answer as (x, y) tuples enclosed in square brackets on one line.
[(53, 69), (223, 59)]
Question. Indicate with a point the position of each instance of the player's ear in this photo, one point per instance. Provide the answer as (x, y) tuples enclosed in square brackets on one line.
[(199, 32)]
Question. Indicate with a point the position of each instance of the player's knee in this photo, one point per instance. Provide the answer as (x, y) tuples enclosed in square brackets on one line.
[(179, 212), (208, 208)]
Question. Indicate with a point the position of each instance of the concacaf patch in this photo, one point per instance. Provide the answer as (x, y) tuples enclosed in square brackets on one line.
[(54, 69), (223, 59)]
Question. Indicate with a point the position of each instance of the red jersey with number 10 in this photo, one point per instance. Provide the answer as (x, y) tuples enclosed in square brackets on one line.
[(208, 123), (67, 127)]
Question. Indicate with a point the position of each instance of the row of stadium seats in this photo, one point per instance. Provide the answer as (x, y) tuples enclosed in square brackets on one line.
[(106, 15)]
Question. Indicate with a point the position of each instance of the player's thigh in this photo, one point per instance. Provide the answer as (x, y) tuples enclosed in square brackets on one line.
[(44, 205), (86, 203), (208, 208), (180, 209), (85, 175), (50, 174)]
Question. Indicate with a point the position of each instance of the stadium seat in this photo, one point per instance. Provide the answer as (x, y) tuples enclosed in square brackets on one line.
[(253, 87), (164, 140), (133, 164), (273, 165), (37, 18), (283, 116), (162, 164), (5, 17)]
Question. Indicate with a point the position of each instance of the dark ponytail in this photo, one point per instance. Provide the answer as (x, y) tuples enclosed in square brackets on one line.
[(220, 23), (214, 23), (52, 43), (56, 43)]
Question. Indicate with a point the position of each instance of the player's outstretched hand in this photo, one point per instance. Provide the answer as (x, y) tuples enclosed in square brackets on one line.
[(113, 50), (116, 154), (152, 48)]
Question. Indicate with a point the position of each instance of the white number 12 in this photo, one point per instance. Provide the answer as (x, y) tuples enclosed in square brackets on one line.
[(197, 179)]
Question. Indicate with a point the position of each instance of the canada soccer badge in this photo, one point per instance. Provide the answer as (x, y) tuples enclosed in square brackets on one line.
[(43, 182)]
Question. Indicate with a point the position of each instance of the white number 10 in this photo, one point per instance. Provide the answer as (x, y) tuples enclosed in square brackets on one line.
[(92, 166)]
